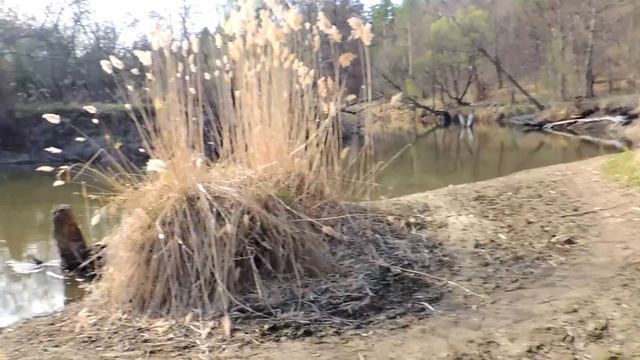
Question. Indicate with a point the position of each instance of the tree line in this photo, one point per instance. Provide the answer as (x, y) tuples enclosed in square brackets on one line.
[(451, 53), (462, 51)]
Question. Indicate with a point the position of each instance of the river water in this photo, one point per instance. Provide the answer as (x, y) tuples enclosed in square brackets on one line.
[(444, 157), (434, 159)]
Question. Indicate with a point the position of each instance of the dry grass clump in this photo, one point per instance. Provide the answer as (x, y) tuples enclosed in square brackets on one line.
[(246, 164), (199, 243)]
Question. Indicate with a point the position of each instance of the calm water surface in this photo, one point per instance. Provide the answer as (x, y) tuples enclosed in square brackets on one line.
[(453, 156), (435, 159)]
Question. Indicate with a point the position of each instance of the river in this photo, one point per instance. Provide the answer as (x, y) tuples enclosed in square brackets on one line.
[(436, 159), (454, 156)]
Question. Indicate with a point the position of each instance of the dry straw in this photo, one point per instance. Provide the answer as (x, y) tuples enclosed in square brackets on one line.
[(244, 137)]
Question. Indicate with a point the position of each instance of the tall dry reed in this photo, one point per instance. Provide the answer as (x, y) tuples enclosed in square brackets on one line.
[(244, 134)]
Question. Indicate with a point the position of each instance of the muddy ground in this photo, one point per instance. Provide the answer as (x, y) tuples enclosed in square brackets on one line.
[(542, 264)]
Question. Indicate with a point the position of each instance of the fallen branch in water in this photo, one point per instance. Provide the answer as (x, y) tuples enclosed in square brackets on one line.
[(574, 122), (617, 144), (568, 124)]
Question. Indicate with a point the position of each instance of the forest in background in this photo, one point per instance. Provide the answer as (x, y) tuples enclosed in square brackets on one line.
[(447, 53)]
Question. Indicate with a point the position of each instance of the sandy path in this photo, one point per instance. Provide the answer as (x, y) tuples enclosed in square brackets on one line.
[(561, 280)]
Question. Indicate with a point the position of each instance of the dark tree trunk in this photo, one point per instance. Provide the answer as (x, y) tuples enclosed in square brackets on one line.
[(590, 77), (433, 91), (499, 73), (497, 32), (563, 54), (475, 76)]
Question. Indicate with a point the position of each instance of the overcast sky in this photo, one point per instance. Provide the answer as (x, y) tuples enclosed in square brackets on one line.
[(123, 12)]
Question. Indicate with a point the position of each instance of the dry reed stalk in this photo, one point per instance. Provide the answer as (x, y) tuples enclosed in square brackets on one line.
[(243, 132)]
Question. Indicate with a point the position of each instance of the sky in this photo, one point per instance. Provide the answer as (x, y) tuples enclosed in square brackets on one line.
[(124, 12)]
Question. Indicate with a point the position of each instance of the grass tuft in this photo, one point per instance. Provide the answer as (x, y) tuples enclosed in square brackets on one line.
[(624, 167), (201, 243)]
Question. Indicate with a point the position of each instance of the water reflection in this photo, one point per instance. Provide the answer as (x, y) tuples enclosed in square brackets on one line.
[(440, 157), (31, 294), (26, 200)]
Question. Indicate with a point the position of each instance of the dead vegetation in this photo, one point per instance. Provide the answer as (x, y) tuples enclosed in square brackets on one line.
[(201, 233), (239, 213)]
